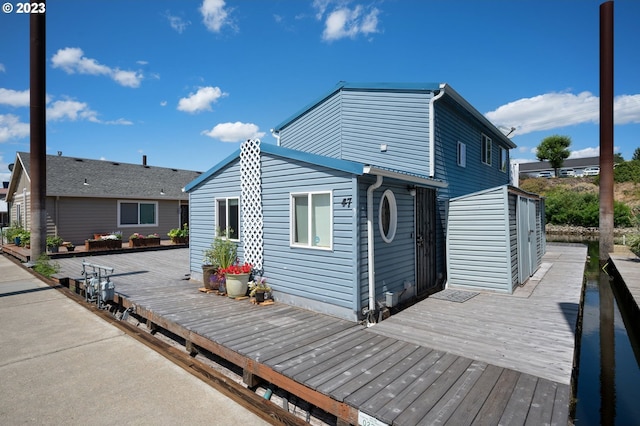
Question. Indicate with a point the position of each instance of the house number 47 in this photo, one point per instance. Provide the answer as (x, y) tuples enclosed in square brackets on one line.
[(346, 202)]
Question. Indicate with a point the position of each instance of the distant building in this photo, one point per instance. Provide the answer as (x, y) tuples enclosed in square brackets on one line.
[(577, 164), (85, 197)]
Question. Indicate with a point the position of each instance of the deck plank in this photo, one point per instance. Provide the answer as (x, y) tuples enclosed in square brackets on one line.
[(475, 362)]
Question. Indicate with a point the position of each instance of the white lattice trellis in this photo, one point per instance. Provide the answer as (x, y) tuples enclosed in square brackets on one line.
[(251, 185)]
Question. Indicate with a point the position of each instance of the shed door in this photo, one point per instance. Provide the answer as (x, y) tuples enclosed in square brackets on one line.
[(425, 240), (527, 254)]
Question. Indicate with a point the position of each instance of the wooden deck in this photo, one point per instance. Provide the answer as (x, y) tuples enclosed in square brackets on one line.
[(389, 371), (627, 265)]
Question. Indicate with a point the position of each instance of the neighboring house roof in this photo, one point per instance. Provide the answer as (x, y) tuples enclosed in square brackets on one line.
[(412, 87), (80, 177), (569, 163), (320, 160)]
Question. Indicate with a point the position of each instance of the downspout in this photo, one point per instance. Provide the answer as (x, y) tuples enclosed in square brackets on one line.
[(370, 246), (432, 131), (276, 135)]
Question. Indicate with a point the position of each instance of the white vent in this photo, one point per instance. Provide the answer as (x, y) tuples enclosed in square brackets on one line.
[(251, 185)]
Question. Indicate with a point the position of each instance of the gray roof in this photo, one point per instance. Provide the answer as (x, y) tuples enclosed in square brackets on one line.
[(569, 163), (81, 177)]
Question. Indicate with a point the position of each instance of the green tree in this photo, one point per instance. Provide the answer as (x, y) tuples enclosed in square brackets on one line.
[(636, 155), (555, 149), (618, 158)]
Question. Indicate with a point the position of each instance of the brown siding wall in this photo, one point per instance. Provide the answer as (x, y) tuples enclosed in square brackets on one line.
[(80, 218)]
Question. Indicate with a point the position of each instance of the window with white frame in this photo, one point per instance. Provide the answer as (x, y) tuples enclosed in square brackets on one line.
[(503, 160), (462, 154), (388, 216), (486, 150), (312, 220), (228, 217), (137, 213)]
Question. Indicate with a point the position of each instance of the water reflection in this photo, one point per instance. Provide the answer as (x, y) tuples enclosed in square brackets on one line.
[(609, 370)]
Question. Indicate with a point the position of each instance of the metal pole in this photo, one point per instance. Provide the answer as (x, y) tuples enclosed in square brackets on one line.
[(606, 130), (38, 160)]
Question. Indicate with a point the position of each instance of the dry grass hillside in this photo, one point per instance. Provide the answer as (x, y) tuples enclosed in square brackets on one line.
[(626, 192)]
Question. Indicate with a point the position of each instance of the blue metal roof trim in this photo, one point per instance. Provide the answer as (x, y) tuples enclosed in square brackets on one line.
[(343, 85), (206, 175), (318, 160), (292, 154)]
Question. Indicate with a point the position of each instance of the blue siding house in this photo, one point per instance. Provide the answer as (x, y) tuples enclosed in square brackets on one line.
[(348, 211)]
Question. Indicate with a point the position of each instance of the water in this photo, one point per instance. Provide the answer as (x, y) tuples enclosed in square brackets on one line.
[(609, 364)]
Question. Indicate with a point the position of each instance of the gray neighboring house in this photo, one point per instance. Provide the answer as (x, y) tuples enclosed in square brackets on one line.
[(86, 196)]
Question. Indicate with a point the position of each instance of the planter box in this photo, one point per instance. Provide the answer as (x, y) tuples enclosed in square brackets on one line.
[(180, 240), (102, 244), (144, 242)]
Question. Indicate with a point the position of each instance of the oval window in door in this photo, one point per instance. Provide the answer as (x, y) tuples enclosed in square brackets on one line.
[(388, 216)]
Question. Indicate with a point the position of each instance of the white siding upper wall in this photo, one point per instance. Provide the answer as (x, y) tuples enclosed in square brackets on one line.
[(478, 242), (398, 119), (352, 124), (318, 131)]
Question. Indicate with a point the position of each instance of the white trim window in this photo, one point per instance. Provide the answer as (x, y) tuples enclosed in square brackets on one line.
[(503, 160), (311, 220), (137, 213), (486, 149), (462, 154), (388, 216), (228, 217)]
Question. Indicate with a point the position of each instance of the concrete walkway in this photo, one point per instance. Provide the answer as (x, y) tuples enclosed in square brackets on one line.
[(61, 364)]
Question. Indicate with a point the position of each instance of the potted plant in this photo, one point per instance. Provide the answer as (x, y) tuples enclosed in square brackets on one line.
[(179, 235), (140, 240), (237, 279), (110, 241), (53, 242), (260, 289), (220, 255), (70, 246)]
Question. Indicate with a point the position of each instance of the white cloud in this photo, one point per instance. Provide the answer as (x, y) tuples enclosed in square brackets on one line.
[(14, 98), (555, 110), (71, 110), (127, 78), (234, 132), (177, 23), (72, 60), (589, 152), (12, 128), (215, 15), (344, 22), (2, 68), (163, 103), (201, 100)]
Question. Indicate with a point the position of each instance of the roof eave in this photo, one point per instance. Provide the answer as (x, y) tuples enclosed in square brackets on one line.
[(410, 178), (479, 116)]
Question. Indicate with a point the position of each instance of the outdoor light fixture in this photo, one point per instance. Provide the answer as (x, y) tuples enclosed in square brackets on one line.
[(383, 147), (412, 190), (85, 182)]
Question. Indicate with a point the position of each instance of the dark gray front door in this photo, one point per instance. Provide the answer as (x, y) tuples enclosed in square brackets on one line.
[(425, 241)]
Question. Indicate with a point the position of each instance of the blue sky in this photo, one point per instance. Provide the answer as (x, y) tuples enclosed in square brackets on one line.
[(184, 82)]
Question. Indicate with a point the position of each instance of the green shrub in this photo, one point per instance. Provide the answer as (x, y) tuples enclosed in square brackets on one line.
[(44, 266), (634, 244), (565, 207), (629, 171)]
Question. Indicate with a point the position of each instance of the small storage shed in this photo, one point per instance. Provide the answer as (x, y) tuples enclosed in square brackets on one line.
[(495, 239)]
